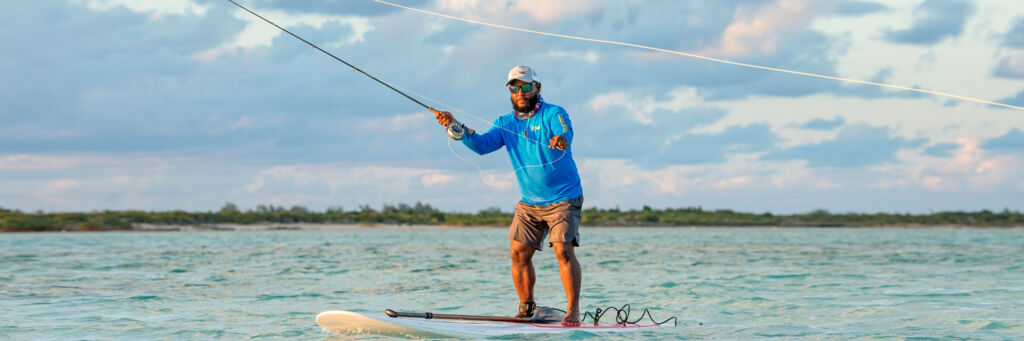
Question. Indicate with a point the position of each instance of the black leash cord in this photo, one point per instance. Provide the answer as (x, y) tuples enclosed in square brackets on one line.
[(622, 316), (332, 56)]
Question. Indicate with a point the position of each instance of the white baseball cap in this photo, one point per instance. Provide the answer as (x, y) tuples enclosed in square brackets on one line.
[(523, 73)]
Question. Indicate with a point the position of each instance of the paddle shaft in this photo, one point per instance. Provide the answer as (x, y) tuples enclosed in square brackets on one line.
[(428, 315)]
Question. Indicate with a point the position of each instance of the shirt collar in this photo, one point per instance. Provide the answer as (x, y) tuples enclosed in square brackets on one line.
[(522, 116)]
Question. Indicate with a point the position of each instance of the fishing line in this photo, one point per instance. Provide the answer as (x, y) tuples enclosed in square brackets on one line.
[(482, 176), (394, 87), (717, 60), (332, 56), (622, 316)]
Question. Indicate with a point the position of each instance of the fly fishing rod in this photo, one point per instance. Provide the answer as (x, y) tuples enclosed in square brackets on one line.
[(333, 56), (455, 129)]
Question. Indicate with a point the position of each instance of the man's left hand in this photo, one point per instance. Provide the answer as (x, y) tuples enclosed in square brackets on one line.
[(558, 142)]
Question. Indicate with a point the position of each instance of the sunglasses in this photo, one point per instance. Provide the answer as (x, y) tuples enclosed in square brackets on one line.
[(525, 88)]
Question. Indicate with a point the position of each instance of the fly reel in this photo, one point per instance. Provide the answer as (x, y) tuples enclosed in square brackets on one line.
[(456, 130)]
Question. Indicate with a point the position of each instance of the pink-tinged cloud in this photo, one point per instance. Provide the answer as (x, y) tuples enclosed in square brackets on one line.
[(540, 11), (935, 183), (966, 159), (436, 179), (208, 56), (344, 178), (970, 167), (758, 32), (58, 186), (733, 182), (667, 182), (25, 162)]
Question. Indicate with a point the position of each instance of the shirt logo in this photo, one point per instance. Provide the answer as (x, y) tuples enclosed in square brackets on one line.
[(535, 128)]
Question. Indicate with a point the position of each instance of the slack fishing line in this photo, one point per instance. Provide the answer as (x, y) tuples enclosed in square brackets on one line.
[(713, 59), (456, 130), (507, 178)]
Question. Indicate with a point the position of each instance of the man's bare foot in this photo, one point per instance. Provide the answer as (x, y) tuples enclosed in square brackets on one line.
[(571, 319)]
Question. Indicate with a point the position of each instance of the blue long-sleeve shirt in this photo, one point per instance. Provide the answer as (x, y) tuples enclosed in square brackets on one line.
[(527, 143)]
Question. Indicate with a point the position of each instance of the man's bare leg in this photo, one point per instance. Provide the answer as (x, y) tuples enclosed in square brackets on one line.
[(572, 276), (523, 274)]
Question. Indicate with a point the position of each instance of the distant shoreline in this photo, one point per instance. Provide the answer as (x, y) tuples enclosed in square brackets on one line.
[(388, 226), (420, 215)]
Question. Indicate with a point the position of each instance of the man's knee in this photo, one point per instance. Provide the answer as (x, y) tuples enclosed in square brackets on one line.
[(564, 251), (521, 253)]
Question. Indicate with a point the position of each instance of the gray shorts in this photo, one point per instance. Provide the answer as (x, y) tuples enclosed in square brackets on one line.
[(561, 220)]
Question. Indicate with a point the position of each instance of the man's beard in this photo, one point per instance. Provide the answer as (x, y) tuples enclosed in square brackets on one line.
[(530, 103)]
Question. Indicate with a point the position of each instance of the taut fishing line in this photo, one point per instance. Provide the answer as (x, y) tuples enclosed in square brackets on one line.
[(394, 87), (713, 59)]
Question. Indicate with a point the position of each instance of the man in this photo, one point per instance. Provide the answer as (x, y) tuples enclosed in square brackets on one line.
[(537, 136)]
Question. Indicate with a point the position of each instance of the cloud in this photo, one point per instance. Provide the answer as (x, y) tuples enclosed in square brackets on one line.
[(1015, 37), (759, 32), (436, 178), (629, 125), (326, 31), (858, 8), (263, 102), (617, 136), (805, 51), (58, 186), (326, 178), (941, 149), (640, 108), (26, 162), (1017, 100), (351, 184), (970, 168), (339, 7), (823, 124), (797, 47), (702, 148), (1011, 142), (1011, 66), (541, 11), (164, 105), (934, 21), (156, 8), (585, 56), (856, 146)]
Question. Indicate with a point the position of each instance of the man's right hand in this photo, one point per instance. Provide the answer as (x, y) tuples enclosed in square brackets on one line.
[(443, 117)]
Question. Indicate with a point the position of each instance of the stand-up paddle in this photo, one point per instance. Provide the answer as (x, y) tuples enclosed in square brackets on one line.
[(429, 315)]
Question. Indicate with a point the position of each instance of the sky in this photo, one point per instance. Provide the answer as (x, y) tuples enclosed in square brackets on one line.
[(188, 104)]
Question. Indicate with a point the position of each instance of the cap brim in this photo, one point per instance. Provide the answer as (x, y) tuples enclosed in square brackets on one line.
[(509, 82)]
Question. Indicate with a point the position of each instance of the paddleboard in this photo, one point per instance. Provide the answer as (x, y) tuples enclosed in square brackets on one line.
[(347, 323)]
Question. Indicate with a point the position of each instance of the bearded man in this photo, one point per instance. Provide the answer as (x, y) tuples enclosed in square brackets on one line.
[(537, 136)]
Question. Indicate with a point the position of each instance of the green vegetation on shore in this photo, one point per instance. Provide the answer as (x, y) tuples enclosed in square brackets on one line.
[(424, 214)]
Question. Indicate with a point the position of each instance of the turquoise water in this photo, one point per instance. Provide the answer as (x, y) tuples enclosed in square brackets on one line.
[(722, 283)]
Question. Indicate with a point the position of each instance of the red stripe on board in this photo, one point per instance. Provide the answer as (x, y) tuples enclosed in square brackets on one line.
[(558, 326)]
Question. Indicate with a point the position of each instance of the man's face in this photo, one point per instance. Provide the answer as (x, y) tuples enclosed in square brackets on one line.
[(521, 100)]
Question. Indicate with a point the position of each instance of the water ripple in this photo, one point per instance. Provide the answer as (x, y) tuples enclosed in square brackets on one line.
[(722, 283)]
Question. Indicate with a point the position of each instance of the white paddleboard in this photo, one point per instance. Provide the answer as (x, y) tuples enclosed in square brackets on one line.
[(346, 323)]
